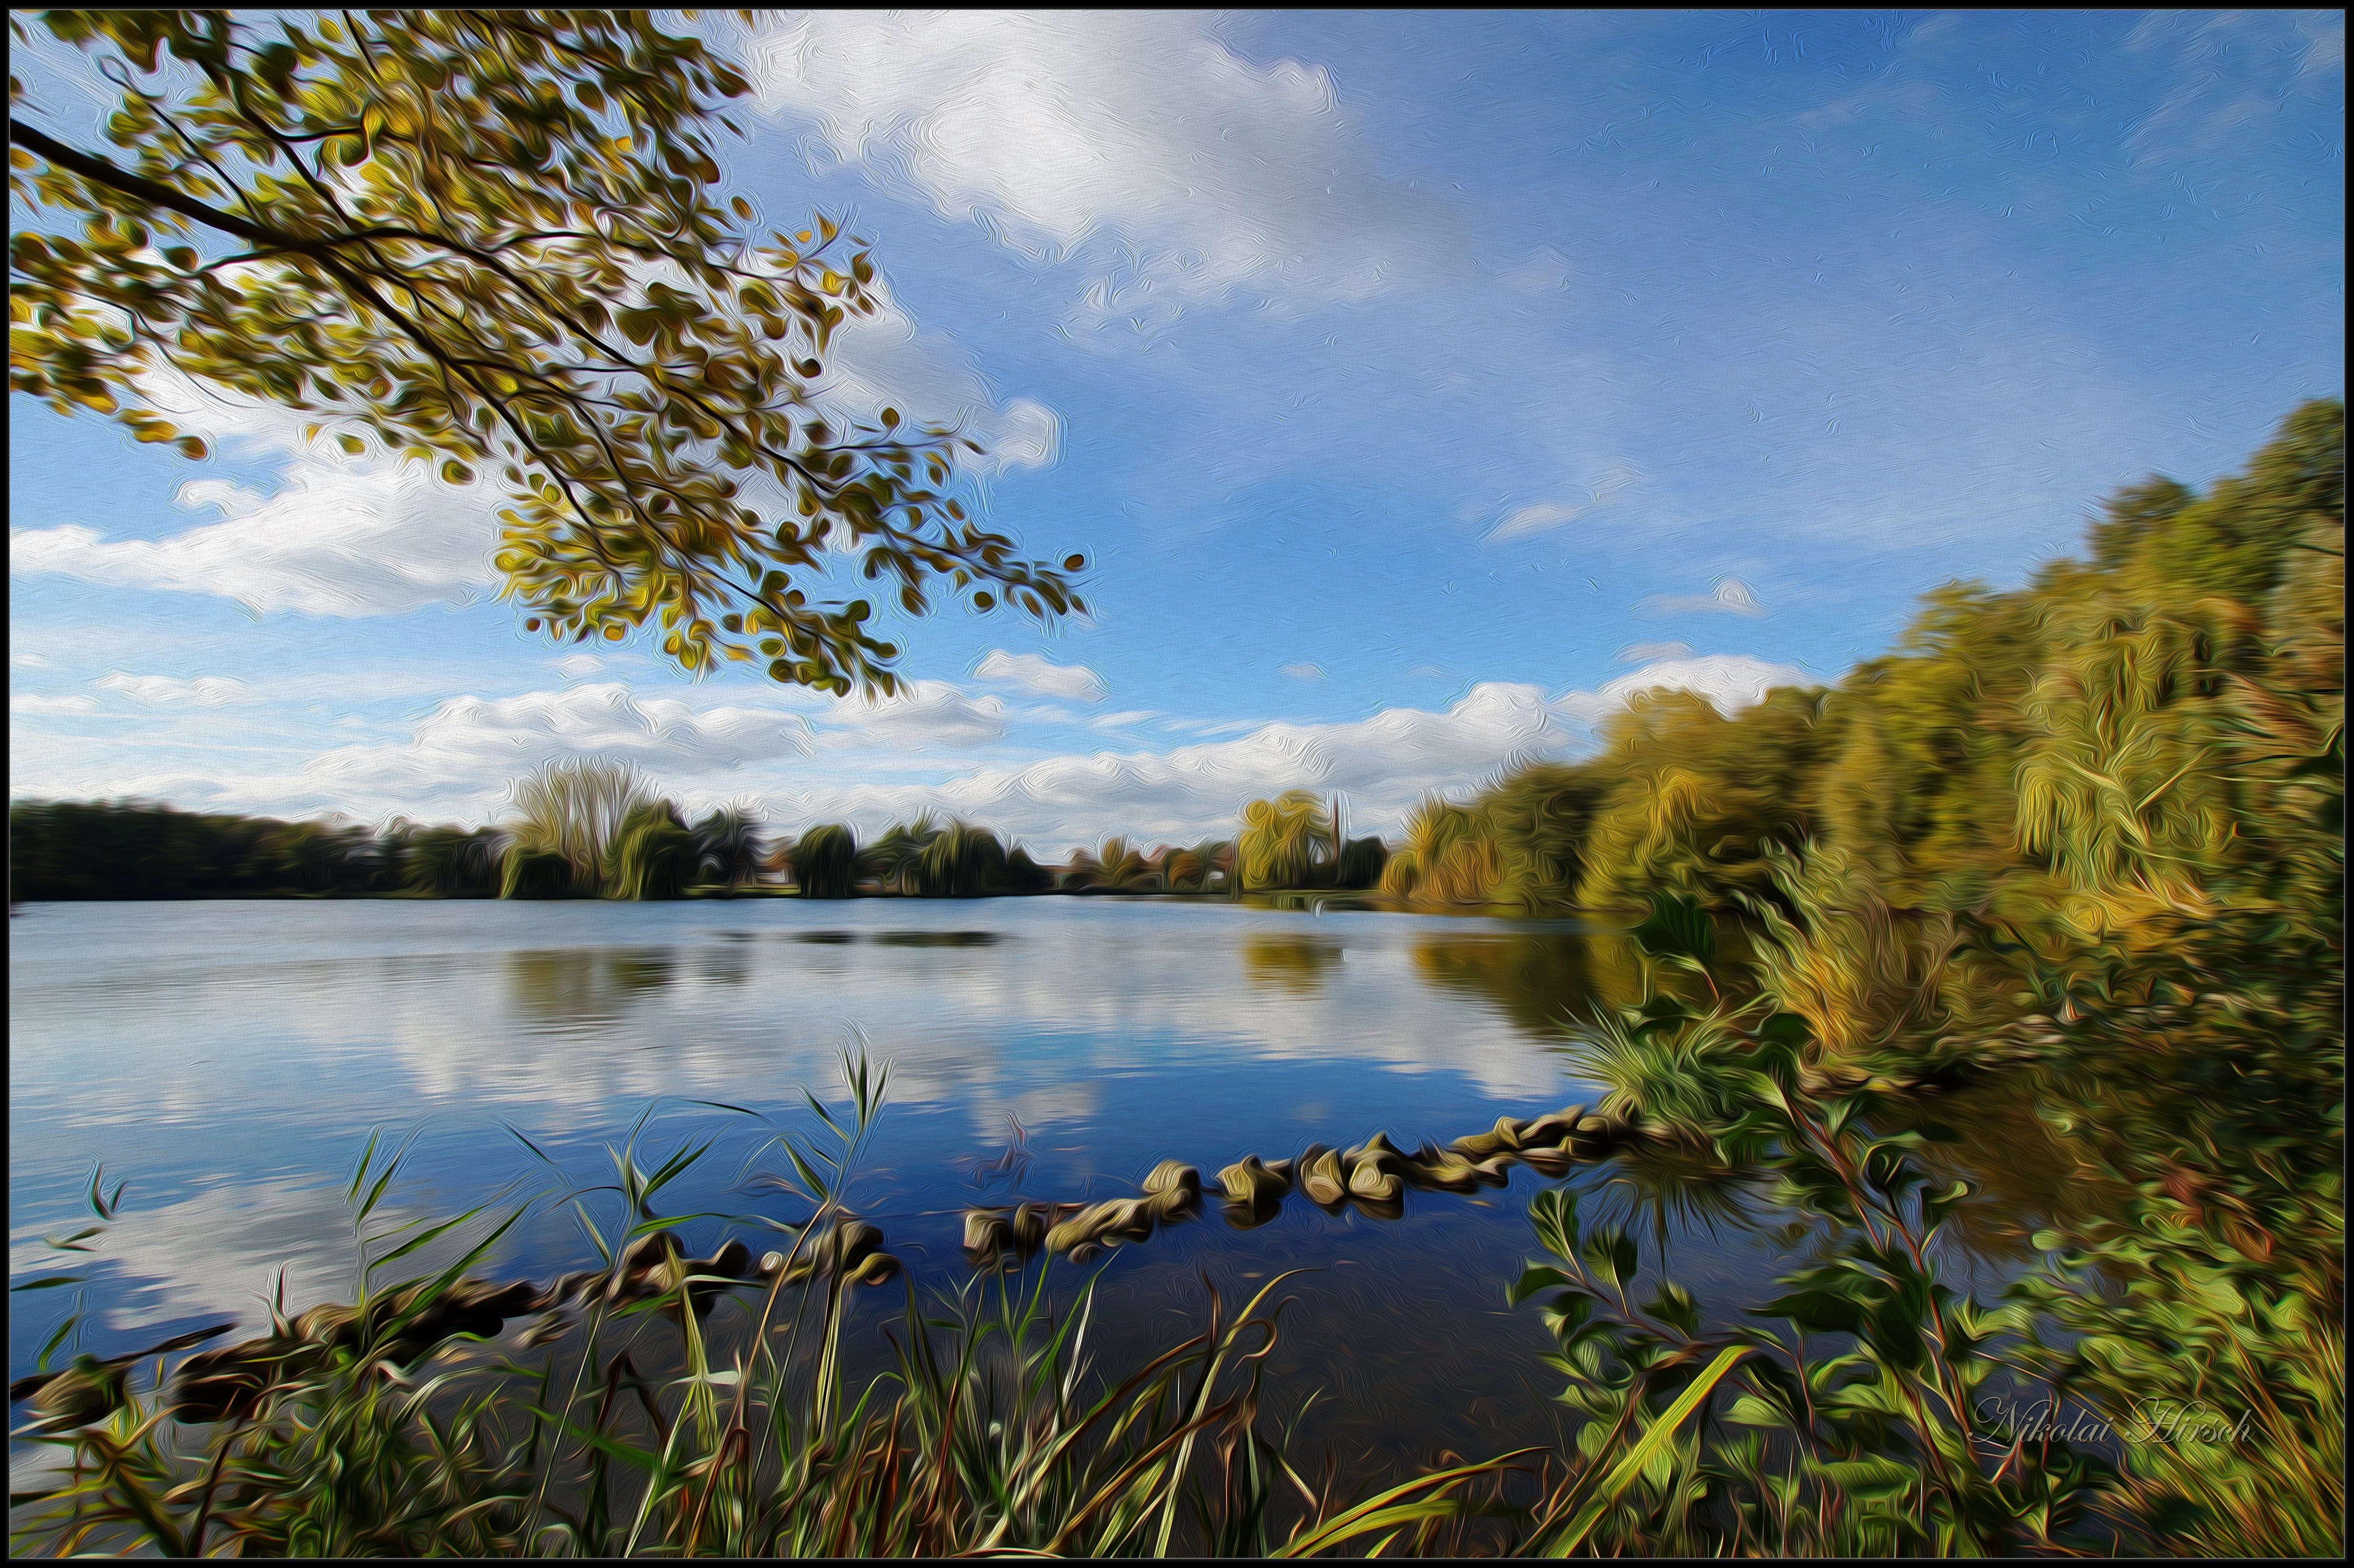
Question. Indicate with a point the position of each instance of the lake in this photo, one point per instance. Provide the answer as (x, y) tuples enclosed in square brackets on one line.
[(231, 1059)]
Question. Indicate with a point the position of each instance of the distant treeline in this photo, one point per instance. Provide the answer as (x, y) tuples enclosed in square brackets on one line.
[(1956, 770), (131, 850), (588, 830), (1962, 770)]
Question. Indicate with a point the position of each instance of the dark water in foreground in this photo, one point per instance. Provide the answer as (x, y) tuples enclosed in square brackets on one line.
[(229, 1059)]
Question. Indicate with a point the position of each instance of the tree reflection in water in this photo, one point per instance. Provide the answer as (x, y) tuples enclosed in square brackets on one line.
[(1298, 965)]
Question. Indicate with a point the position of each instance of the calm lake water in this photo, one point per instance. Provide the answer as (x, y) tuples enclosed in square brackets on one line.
[(231, 1059)]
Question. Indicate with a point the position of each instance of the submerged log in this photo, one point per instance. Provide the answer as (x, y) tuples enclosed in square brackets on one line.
[(90, 1389), (400, 1329)]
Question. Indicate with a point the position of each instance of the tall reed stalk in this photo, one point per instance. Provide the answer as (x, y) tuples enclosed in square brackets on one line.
[(671, 1426)]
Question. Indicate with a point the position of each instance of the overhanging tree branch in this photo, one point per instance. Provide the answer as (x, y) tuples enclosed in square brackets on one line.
[(100, 172), (465, 277)]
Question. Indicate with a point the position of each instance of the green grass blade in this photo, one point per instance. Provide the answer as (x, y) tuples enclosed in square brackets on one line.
[(1389, 1508), (1629, 1465), (425, 1237)]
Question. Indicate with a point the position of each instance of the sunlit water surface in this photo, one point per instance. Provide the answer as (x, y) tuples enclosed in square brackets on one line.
[(231, 1059)]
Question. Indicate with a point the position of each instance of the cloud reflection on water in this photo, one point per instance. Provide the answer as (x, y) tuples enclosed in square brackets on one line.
[(977, 1017)]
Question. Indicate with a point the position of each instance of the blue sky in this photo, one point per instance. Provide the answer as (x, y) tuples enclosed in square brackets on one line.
[(1417, 385)]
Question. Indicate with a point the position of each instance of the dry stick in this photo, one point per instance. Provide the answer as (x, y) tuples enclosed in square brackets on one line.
[(719, 1462), (221, 1460)]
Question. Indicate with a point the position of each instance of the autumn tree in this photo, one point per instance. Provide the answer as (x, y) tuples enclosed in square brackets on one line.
[(1287, 842), (567, 817), (497, 241)]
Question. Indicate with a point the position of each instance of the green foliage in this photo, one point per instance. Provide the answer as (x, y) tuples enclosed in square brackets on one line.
[(1121, 864), (826, 862), (1184, 871), (2202, 1325), (562, 846), (1450, 857), (652, 855), (1695, 797), (2100, 749), (1677, 928), (536, 874), (584, 828), (893, 859), (2205, 1077), (1541, 816), (1199, 869), (2095, 830), (963, 861), (1877, 1449), (2228, 1368), (1362, 863), (131, 851), (1866, 979), (1023, 874), (1924, 746), (956, 860), (727, 847), (495, 244), (449, 863)]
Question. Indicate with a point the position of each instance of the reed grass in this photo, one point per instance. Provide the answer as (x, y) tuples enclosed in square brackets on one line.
[(671, 1426)]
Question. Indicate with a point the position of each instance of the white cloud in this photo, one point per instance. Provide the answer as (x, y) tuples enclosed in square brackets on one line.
[(203, 691), (29, 661), (1025, 433), (2232, 68), (1545, 515), (1127, 720), (337, 539), (1383, 765), (1644, 652), (1730, 597), (577, 666), (811, 758), (1134, 135), (341, 536), (1731, 680), (30, 703), (883, 360), (469, 746), (1303, 672), (1536, 519), (926, 714), (1032, 672)]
